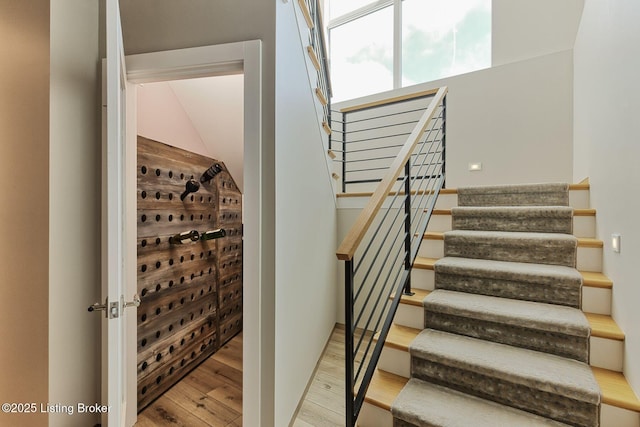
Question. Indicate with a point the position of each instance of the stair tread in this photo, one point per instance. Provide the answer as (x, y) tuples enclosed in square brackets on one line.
[(583, 242), (384, 388), (537, 272), (596, 279), (592, 279), (511, 235), (400, 336), (546, 372), (616, 391), (416, 299), (576, 212), (604, 326), (423, 403), (424, 263), (528, 314), (563, 211), (573, 187)]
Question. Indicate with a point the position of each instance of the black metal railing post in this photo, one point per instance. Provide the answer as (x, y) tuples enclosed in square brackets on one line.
[(344, 152), (444, 140), (407, 225), (349, 338)]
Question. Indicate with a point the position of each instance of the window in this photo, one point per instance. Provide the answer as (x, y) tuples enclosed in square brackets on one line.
[(380, 45)]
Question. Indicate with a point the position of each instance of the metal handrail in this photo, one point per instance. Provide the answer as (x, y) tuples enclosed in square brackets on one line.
[(381, 247)]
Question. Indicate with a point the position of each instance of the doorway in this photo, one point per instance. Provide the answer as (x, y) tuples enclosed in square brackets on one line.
[(208, 61)]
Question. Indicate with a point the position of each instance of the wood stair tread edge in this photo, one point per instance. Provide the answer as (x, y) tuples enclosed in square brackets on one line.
[(596, 279), (384, 389), (399, 337), (603, 326), (616, 391), (424, 263), (416, 298)]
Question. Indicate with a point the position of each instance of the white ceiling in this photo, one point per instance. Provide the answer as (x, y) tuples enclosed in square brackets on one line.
[(214, 106)]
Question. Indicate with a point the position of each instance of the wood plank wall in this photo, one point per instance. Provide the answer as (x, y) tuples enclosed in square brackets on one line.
[(191, 294)]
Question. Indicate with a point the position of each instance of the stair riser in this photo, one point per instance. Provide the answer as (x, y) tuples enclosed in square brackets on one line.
[(596, 300), (579, 199), (565, 345), (583, 226), (440, 223), (587, 259), (411, 316), (395, 361), (612, 416), (374, 416), (514, 199), (551, 405), (514, 223), (607, 353), (548, 252), (568, 295), (422, 279)]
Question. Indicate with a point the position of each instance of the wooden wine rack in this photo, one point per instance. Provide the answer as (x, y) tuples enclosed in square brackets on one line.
[(191, 294)]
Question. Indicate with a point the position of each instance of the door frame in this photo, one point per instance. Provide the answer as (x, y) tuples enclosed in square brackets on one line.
[(207, 61)]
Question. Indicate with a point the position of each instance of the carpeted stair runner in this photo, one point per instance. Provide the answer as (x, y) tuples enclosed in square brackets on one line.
[(556, 194), (540, 248), (544, 384), (547, 219), (504, 333), (552, 284), (433, 405), (554, 329)]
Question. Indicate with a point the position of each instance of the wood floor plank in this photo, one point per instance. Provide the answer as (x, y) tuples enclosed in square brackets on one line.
[(211, 395), (319, 416), (209, 410), (229, 396), (165, 412), (225, 372)]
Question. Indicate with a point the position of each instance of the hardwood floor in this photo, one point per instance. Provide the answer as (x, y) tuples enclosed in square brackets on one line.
[(323, 404), (210, 396)]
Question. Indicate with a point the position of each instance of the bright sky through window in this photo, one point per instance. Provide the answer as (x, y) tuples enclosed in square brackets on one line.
[(440, 38)]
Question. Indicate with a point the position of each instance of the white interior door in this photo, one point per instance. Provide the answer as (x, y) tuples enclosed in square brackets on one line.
[(118, 266)]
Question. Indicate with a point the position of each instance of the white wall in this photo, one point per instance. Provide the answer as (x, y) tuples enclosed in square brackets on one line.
[(75, 171), (523, 29), (305, 224), (607, 149), (162, 118), (514, 118), (215, 107)]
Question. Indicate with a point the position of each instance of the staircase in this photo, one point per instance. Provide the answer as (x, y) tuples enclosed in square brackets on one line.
[(506, 342)]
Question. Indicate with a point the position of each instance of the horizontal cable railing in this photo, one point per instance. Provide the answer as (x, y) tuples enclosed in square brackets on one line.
[(381, 247), (368, 137)]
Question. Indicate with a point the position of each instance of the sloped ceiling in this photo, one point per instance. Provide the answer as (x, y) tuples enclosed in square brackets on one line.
[(182, 112)]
